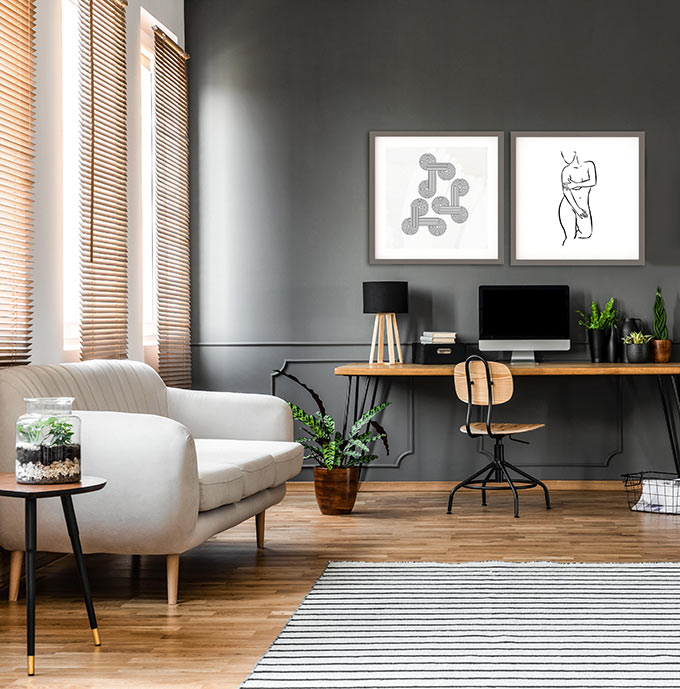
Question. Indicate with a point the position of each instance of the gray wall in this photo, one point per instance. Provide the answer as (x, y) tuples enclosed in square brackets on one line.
[(283, 95)]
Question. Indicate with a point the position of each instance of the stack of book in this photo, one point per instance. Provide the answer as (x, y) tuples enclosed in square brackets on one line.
[(437, 337)]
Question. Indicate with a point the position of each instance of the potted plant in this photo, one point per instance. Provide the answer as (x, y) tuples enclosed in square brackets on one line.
[(661, 345), (48, 442), (600, 326), (637, 347), (338, 453)]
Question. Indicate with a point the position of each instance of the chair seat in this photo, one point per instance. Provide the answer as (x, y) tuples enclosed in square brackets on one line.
[(230, 470), (503, 428)]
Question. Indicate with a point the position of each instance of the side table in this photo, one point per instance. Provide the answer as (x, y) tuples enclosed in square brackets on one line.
[(31, 493)]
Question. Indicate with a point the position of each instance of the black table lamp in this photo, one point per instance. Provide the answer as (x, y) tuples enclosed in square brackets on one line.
[(385, 300)]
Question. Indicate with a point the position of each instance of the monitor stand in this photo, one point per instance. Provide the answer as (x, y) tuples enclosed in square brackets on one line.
[(524, 356)]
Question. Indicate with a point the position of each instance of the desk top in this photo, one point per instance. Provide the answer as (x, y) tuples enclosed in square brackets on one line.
[(10, 488), (545, 368)]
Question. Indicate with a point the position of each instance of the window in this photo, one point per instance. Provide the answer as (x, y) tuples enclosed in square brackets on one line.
[(165, 203), (148, 233), (70, 174), (171, 185), (94, 193), (16, 179)]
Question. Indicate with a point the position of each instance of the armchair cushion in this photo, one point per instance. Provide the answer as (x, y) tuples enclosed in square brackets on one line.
[(230, 470)]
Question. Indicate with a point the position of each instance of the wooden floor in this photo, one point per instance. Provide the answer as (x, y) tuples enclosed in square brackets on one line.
[(235, 600)]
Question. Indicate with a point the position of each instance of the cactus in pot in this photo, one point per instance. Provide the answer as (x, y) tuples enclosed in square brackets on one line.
[(661, 344)]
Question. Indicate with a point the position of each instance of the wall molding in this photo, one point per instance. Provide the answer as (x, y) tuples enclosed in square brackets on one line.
[(256, 343)]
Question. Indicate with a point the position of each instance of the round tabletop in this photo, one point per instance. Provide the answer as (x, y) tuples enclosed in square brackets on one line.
[(10, 488)]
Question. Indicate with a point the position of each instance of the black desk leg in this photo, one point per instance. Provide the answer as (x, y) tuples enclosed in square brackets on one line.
[(72, 525), (30, 525), (668, 415)]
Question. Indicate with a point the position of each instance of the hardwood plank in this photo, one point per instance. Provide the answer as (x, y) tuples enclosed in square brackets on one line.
[(235, 599)]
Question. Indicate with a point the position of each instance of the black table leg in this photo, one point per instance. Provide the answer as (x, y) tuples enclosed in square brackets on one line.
[(30, 525), (72, 526), (668, 416)]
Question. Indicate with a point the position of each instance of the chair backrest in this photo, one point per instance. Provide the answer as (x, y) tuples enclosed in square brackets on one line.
[(98, 385), (483, 375)]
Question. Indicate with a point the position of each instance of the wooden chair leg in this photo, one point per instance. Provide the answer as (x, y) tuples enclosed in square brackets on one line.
[(259, 529), (16, 559), (172, 570)]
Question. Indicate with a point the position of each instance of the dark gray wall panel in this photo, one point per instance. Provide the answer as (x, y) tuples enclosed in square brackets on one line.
[(283, 95)]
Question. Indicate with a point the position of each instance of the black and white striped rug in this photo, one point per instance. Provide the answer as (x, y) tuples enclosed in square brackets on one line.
[(481, 624)]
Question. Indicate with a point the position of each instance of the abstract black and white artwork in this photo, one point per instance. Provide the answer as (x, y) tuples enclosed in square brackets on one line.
[(578, 198), (436, 197)]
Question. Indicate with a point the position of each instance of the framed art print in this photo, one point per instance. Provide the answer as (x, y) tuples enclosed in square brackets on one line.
[(436, 197), (578, 198)]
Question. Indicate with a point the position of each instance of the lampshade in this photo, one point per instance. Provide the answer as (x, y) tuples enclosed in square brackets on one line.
[(385, 297)]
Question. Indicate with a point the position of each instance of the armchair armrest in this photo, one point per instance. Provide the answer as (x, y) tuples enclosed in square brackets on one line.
[(231, 415)]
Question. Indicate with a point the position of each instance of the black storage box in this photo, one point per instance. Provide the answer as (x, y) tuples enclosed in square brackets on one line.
[(438, 353)]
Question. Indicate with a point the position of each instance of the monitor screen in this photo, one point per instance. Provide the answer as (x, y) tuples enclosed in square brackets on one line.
[(524, 312)]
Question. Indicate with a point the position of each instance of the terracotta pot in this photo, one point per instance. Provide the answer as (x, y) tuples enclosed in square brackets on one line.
[(662, 351), (336, 489)]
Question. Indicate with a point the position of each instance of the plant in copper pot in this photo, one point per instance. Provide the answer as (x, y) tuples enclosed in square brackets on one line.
[(338, 453), (661, 345)]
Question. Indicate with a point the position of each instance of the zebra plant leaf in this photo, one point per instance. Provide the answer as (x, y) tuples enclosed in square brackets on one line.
[(363, 420), (382, 434), (329, 447), (313, 394)]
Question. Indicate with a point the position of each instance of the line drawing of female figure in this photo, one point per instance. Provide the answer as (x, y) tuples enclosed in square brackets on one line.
[(574, 210)]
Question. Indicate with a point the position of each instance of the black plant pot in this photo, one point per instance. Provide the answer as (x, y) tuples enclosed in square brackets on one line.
[(638, 353), (613, 345), (597, 339), (627, 327)]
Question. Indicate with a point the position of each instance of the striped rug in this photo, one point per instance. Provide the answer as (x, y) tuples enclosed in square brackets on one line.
[(482, 624)]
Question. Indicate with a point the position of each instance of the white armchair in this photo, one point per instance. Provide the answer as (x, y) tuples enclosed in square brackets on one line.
[(181, 465)]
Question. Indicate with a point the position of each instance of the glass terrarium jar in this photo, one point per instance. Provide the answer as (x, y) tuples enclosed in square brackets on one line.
[(48, 442)]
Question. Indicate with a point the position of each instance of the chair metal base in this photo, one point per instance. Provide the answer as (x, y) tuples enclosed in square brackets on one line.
[(497, 472)]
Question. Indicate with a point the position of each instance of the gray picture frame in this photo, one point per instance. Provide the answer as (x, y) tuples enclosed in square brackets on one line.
[(514, 135), (500, 136)]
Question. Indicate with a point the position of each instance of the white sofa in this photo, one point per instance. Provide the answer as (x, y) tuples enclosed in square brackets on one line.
[(181, 465)]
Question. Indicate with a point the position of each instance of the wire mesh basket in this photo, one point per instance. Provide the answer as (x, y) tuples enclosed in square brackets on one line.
[(653, 491)]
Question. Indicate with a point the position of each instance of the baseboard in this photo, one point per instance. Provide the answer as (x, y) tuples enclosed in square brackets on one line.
[(437, 486)]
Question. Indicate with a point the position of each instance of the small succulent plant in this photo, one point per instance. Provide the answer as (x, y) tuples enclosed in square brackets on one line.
[(637, 337)]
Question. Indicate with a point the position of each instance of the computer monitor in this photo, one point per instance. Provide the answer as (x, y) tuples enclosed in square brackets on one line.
[(524, 318)]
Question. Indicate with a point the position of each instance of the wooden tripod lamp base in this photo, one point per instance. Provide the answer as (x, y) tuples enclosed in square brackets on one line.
[(385, 322)]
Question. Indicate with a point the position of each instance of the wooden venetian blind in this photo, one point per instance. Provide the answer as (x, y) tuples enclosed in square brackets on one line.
[(17, 22), (171, 193), (103, 179)]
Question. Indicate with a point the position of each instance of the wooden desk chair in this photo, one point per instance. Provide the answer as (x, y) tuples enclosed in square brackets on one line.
[(486, 383)]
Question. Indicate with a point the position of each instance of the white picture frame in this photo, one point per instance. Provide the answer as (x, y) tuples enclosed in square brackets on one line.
[(578, 198), (436, 197)]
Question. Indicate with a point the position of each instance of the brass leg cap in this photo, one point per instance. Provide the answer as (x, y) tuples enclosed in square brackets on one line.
[(95, 636), (30, 665)]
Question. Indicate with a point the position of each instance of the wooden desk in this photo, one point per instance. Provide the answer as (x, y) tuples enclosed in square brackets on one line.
[(666, 375), (545, 368)]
